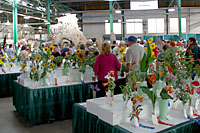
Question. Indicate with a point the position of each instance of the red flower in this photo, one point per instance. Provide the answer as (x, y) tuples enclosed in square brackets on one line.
[(189, 51), (133, 63), (191, 47), (195, 83), (106, 96), (104, 84), (172, 44), (188, 88), (170, 69), (170, 89), (198, 59), (192, 92)]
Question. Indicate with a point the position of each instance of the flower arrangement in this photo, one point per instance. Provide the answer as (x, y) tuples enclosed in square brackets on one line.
[(136, 108), (111, 85), (94, 88)]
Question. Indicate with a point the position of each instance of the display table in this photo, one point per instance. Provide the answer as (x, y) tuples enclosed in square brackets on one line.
[(6, 83), (50, 103), (86, 122)]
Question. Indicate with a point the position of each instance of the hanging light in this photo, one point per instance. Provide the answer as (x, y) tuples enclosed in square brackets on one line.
[(118, 11), (7, 23), (27, 17), (171, 9), (25, 25), (39, 27)]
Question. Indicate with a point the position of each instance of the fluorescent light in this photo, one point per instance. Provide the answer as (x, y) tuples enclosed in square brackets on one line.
[(118, 11), (171, 10), (119, 20), (7, 23), (25, 25), (39, 27), (1, 11), (106, 21), (27, 17)]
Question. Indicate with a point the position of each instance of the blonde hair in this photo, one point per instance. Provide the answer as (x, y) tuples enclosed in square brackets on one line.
[(105, 50)]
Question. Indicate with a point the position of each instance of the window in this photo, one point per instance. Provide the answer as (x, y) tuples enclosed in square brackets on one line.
[(174, 25), (156, 25), (117, 27), (134, 26)]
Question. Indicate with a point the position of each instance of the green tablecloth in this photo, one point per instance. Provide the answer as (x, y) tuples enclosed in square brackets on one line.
[(43, 105), (6, 84), (86, 122)]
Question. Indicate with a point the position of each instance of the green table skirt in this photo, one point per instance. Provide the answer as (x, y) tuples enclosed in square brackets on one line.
[(49, 104), (6, 84), (86, 122)]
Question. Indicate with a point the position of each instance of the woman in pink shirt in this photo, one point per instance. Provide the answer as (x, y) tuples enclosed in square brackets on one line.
[(105, 62)]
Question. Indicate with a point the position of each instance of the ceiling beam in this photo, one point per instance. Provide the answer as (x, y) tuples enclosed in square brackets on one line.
[(69, 1)]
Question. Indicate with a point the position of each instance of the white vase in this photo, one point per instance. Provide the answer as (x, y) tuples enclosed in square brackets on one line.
[(134, 122), (154, 119)]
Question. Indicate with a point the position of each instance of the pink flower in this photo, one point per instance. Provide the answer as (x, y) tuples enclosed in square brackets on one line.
[(198, 90)]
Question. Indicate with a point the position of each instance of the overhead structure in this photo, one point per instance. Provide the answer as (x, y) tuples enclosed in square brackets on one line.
[(179, 18)]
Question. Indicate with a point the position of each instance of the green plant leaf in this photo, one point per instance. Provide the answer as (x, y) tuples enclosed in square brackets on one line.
[(164, 94), (149, 93)]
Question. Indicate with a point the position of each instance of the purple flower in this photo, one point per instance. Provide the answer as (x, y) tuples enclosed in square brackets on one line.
[(91, 86), (97, 88), (198, 90), (176, 96), (172, 76), (182, 93), (182, 80)]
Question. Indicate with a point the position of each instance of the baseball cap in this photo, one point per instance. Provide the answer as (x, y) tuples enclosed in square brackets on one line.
[(132, 39)]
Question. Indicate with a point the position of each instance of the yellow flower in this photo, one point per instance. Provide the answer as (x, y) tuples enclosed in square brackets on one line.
[(21, 70), (161, 73), (38, 58), (3, 57), (51, 57), (66, 56), (42, 65), (145, 48), (150, 40), (124, 59), (52, 48), (46, 49), (50, 65), (31, 65), (7, 65), (9, 59), (34, 69), (49, 71), (153, 55), (23, 65), (69, 53), (1, 61), (78, 51), (80, 56), (13, 58), (11, 64), (121, 50), (153, 46)]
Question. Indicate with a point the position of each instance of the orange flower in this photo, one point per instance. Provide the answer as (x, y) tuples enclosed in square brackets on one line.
[(141, 99), (112, 73), (135, 85), (158, 42), (189, 51), (169, 89), (191, 60), (179, 44), (172, 44), (104, 84), (134, 101)]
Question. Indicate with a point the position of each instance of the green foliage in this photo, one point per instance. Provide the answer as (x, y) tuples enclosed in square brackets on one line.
[(146, 60), (164, 94), (133, 113), (150, 94)]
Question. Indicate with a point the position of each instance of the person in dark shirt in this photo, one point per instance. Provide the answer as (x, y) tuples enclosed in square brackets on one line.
[(65, 49), (55, 52)]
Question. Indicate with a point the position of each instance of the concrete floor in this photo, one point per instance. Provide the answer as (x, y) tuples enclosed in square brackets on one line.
[(9, 123)]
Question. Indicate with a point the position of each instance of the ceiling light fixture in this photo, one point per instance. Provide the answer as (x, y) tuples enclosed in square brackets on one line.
[(118, 11), (171, 9), (27, 17)]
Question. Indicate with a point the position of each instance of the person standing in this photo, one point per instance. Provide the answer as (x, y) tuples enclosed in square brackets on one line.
[(1, 51), (133, 55), (10, 51), (105, 62)]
